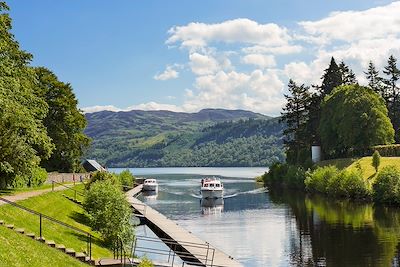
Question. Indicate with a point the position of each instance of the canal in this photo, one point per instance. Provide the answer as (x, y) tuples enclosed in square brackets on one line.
[(262, 228)]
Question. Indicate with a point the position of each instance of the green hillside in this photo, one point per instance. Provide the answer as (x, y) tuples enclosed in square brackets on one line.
[(211, 137)]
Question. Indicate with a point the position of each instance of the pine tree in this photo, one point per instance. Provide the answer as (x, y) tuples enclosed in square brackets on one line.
[(392, 91), (331, 78), (348, 76), (295, 115), (374, 81)]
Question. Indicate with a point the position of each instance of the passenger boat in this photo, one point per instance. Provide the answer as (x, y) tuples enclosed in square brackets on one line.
[(150, 185), (211, 187)]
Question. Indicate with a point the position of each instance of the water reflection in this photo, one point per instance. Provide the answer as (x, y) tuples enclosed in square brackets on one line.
[(211, 206), (341, 233)]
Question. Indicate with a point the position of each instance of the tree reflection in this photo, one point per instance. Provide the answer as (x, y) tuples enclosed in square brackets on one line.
[(325, 232)]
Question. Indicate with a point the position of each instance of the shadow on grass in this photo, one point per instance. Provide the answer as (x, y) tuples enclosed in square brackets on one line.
[(80, 218), (95, 240)]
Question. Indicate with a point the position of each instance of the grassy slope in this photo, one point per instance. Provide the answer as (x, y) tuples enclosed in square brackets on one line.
[(365, 163), (13, 191), (56, 206), (19, 250)]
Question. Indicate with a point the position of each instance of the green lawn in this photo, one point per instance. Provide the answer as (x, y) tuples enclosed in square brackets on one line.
[(54, 204), (18, 250), (365, 163), (13, 191)]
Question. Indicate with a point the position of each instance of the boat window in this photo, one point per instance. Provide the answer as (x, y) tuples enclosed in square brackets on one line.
[(206, 185), (217, 185)]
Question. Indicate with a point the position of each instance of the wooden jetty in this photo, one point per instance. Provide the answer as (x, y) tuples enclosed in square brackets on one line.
[(186, 245)]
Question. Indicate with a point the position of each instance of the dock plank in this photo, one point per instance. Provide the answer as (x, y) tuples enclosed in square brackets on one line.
[(181, 235)]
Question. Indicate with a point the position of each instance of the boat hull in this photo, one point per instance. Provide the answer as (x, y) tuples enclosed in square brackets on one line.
[(150, 187), (207, 193)]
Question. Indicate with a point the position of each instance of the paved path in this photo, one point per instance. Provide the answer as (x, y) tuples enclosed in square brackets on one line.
[(188, 241), (28, 194)]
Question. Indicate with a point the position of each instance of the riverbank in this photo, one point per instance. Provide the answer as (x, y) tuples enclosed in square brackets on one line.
[(342, 178)]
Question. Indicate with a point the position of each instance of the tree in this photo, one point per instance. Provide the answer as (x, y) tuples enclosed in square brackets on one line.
[(331, 78), (295, 114), (348, 76), (392, 93), (353, 119), (374, 81), (64, 122), (23, 137), (109, 212), (376, 160)]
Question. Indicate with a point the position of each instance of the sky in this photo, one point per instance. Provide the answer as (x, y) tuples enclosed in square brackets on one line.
[(190, 55)]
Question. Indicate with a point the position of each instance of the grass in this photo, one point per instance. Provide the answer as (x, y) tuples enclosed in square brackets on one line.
[(18, 250), (55, 205), (365, 163)]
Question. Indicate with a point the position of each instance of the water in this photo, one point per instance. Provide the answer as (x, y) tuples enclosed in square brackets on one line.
[(261, 228)]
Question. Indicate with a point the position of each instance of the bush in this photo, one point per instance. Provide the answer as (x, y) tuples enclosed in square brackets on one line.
[(145, 263), (388, 150), (355, 185), (126, 179), (284, 175), (102, 176), (37, 177), (387, 186), (109, 212), (318, 180)]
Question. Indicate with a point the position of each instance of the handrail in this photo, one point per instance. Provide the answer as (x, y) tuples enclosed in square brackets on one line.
[(80, 192), (41, 215)]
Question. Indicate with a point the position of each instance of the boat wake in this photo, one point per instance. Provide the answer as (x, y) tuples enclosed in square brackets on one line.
[(251, 192)]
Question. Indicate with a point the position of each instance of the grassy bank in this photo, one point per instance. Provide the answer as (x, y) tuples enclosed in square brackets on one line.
[(18, 250), (55, 205)]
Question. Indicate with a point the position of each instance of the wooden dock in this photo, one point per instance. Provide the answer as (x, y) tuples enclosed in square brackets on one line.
[(188, 246)]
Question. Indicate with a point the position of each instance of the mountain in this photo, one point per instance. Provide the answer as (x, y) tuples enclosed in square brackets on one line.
[(210, 137)]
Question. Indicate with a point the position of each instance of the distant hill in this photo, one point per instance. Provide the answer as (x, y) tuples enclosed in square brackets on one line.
[(210, 137)]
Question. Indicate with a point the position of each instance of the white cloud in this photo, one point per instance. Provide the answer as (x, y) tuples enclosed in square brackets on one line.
[(203, 64), (144, 106), (100, 108), (347, 26), (197, 35), (168, 74), (260, 60)]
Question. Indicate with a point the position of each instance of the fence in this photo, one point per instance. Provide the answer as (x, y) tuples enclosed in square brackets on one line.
[(69, 189)]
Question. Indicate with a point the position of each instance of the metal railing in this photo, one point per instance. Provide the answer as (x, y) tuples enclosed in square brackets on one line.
[(203, 257), (76, 192), (43, 217)]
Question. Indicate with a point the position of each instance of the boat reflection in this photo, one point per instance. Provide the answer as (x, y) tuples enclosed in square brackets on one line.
[(212, 206), (150, 195)]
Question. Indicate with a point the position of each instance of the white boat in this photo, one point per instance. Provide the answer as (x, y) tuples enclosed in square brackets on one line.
[(211, 187), (150, 185)]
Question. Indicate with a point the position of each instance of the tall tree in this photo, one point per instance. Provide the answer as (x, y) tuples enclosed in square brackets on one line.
[(392, 91), (295, 115), (23, 137), (374, 80), (64, 122), (348, 76), (331, 78)]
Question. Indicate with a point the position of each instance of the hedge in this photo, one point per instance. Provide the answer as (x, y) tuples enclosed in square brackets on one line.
[(388, 150)]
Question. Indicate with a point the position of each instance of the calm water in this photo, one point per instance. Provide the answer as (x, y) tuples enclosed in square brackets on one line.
[(261, 228)]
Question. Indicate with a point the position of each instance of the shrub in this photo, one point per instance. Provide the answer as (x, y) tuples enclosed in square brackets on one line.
[(387, 185), (102, 176), (319, 179), (388, 150), (126, 179), (376, 160), (37, 177), (145, 263), (109, 212), (284, 175), (354, 184)]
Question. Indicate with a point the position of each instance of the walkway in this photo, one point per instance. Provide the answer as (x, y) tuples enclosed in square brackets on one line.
[(204, 253)]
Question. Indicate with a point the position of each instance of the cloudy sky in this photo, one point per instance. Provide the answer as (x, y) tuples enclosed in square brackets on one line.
[(189, 55)]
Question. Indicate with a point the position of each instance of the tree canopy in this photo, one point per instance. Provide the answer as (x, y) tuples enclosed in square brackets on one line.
[(27, 110), (354, 118)]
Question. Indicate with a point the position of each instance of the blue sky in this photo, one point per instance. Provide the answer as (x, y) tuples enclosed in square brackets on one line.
[(188, 55)]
